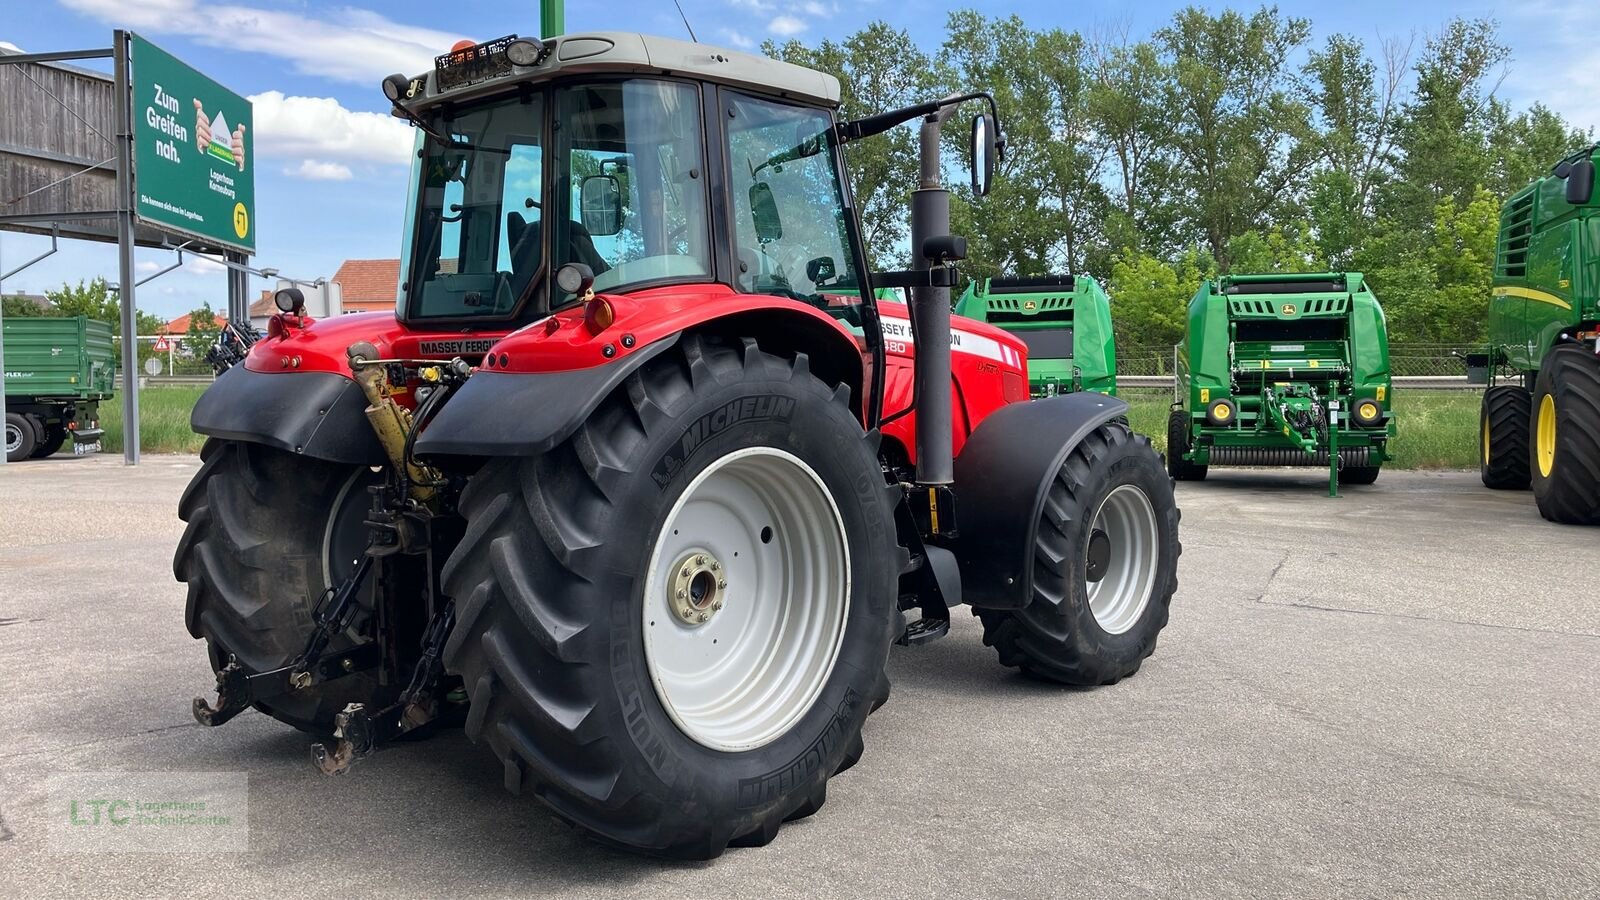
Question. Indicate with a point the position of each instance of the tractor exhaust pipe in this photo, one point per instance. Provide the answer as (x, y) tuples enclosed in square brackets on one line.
[(930, 314)]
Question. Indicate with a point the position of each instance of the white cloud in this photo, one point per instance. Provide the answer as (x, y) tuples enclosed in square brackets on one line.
[(321, 128), (820, 10), (200, 264), (342, 43), (786, 26), (317, 170), (737, 38), (1554, 61), (10, 47), (752, 5), (146, 265)]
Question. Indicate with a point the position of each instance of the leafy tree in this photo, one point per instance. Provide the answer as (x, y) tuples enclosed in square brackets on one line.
[(203, 330), (1150, 297), (1356, 112), (19, 306), (879, 68), (96, 299), (1241, 131), (1125, 107), (1225, 141), (1525, 147), (1283, 247), (1443, 132), (1044, 210)]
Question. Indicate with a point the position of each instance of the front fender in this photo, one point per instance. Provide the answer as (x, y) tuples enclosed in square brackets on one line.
[(317, 414), (1002, 476), (525, 413)]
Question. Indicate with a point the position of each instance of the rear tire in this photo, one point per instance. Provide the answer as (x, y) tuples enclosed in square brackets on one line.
[(54, 437), (19, 437), (564, 585), (1565, 434), (1178, 437), (1078, 631), (1358, 475), (254, 558), (1503, 430)]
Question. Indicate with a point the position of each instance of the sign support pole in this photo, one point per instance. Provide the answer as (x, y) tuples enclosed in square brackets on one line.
[(2, 366), (125, 294), (238, 289)]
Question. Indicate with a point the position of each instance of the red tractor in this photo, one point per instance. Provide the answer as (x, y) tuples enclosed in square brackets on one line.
[(640, 482)]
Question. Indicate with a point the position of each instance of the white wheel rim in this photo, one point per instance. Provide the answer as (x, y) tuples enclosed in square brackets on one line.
[(745, 674), (13, 438), (1131, 558)]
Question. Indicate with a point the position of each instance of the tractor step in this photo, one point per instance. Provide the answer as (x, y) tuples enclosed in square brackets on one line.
[(924, 630)]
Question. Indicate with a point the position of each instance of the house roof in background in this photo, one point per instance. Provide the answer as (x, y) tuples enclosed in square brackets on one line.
[(368, 281)]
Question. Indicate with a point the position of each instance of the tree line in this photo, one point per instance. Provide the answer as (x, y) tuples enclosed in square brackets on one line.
[(1223, 142)]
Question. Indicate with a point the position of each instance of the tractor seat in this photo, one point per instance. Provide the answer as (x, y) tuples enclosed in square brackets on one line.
[(526, 246)]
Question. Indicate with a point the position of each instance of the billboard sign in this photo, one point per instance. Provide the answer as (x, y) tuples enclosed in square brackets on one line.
[(192, 163)]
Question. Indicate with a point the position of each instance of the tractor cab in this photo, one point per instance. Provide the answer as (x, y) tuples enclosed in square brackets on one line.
[(648, 162)]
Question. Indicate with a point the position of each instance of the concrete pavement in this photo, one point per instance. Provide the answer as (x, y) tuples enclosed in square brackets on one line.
[(1393, 693)]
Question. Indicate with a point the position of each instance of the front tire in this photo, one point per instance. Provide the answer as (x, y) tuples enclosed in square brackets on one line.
[(731, 476), (269, 531), (1179, 443), (1565, 433), (1105, 567), (1503, 424)]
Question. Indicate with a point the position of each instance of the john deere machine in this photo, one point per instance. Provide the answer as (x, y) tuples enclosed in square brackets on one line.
[(1064, 319), (1283, 370), (642, 479), (1540, 422)]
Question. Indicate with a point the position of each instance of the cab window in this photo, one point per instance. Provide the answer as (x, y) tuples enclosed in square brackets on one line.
[(632, 183), (788, 207)]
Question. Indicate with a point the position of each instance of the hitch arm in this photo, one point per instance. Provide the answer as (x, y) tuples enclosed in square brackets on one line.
[(237, 690)]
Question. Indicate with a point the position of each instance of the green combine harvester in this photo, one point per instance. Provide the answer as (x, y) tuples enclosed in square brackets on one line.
[(1066, 322), (1541, 426), (1283, 370)]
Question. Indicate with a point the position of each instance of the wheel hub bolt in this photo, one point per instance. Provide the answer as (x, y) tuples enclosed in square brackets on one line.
[(696, 588)]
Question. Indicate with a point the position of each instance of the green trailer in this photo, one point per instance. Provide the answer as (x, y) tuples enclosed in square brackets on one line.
[(1540, 421), (57, 370), (1064, 319), (1283, 370)]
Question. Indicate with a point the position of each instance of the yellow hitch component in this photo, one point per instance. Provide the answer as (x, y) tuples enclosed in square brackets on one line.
[(391, 421)]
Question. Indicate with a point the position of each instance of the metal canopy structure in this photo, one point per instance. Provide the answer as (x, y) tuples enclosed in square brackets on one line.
[(67, 170)]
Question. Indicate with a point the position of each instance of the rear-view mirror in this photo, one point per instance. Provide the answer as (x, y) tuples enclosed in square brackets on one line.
[(1580, 182), (600, 205), (764, 210), (983, 154)]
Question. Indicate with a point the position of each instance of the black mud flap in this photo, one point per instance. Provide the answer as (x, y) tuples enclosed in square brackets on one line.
[(507, 414), (317, 414), (1002, 476)]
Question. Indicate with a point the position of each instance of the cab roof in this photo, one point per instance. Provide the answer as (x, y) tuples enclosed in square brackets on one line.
[(616, 52)]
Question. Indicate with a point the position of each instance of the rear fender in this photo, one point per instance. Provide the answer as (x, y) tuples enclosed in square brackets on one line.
[(1002, 477), (525, 413), (317, 414), (526, 409)]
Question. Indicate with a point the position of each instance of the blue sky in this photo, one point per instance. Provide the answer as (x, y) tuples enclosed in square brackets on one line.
[(330, 164)]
